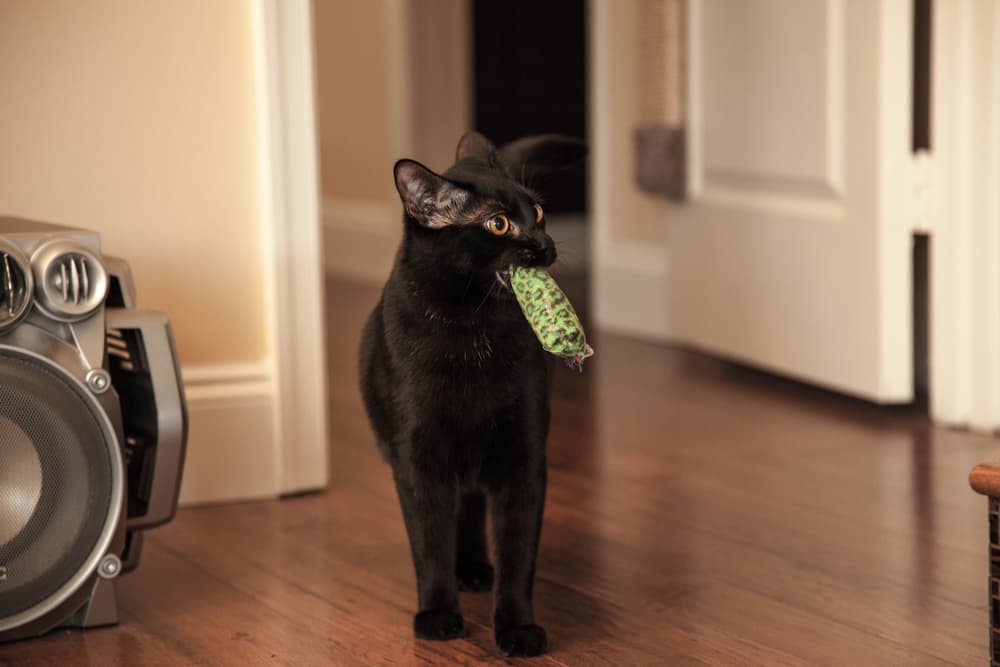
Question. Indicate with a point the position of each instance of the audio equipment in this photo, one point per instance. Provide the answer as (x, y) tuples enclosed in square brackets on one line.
[(93, 427)]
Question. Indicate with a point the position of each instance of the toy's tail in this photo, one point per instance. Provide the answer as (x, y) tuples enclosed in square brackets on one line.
[(576, 362)]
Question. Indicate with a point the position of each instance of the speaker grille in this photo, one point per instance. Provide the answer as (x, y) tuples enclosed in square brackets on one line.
[(56, 481), (71, 280), (15, 286)]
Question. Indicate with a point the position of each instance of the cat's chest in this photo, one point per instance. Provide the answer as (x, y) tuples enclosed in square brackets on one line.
[(494, 341), (471, 350), (473, 368)]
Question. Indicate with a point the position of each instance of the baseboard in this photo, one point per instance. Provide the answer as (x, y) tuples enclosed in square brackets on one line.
[(630, 291), (232, 450), (360, 239)]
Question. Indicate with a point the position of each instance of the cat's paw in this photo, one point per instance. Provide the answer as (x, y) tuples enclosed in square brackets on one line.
[(475, 577), (438, 624), (522, 640)]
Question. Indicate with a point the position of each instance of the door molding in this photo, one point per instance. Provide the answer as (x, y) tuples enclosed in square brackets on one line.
[(621, 262), (964, 218), (291, 239)]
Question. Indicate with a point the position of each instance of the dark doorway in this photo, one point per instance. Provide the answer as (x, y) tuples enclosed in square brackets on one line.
[(529, 78)]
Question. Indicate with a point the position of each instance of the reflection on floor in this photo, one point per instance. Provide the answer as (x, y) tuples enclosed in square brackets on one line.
[(698, 513)]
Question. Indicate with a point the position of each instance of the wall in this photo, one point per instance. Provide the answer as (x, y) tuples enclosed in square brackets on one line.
[(353, 93), (137, 119), (392, 82)]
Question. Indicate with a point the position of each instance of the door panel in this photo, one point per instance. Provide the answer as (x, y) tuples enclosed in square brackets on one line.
[(794, 251), (773, 115)]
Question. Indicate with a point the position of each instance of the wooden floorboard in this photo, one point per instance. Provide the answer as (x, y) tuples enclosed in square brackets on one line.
[(699, 513)]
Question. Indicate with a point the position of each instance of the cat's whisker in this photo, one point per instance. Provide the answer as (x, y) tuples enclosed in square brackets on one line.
[(489, 294)]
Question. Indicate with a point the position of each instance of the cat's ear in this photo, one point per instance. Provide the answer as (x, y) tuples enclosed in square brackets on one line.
[(473, 144), (542, 153), (429, 199)]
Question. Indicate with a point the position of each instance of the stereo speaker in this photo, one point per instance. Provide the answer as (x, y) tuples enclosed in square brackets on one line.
[(93, 427)]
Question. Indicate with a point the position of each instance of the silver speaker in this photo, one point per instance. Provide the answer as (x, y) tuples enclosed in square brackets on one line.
[(93, 427)]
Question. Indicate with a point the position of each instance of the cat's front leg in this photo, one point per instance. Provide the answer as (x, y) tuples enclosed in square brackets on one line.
[(516, 507), (429, 504), (474, 572)]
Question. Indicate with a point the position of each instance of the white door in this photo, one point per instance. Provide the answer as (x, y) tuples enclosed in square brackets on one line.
[(793, 253)]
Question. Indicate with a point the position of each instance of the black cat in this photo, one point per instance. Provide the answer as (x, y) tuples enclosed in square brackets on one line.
[(456, 384)]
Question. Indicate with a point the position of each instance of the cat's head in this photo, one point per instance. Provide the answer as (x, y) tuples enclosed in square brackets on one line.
[(480, 217)]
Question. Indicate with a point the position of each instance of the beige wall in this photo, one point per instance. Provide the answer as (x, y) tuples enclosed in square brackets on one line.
[(392, 81), (440, 71), (136, 118), (353, 97)]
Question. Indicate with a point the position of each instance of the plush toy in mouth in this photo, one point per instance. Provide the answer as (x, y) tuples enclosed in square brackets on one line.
[(550, 315)]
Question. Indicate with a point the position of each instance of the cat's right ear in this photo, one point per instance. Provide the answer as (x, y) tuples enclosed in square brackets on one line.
[(473, 144), (428, 198)]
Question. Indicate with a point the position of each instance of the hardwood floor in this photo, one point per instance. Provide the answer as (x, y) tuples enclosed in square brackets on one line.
[(699, 513)]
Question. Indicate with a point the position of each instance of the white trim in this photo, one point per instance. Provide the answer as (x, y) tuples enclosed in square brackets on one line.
[(620, 266), (289, 209), (206, 381), (964, 208), (232, 436)]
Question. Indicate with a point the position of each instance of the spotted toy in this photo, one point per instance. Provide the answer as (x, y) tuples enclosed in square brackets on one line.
[(550, 314)]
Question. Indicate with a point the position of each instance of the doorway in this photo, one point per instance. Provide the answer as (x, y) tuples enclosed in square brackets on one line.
[(536, 85)]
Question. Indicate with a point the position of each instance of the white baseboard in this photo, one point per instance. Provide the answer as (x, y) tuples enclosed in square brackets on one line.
[(630, 290), (360, 239), (232, 449)]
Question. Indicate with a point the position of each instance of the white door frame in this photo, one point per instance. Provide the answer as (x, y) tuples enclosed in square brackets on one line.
[(621, 264), (963, 184), (291, 240)]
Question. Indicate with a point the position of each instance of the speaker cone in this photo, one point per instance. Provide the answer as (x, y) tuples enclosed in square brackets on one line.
[(20, 480), (60, 486)]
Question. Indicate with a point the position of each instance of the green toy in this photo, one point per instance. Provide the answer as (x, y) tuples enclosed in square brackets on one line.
[(550, 314)]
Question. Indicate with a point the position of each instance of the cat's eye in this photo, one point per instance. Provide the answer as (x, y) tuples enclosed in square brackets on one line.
[(498, 225), (539, 213)]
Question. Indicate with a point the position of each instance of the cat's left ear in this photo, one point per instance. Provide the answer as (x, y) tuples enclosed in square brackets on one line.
[(431, 200), (542, 153)]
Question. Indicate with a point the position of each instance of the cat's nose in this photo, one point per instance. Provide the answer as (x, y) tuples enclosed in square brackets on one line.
[(547, 253)]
